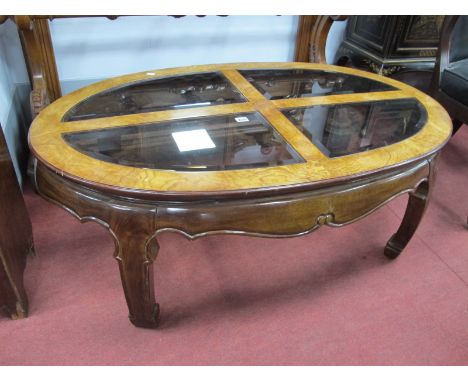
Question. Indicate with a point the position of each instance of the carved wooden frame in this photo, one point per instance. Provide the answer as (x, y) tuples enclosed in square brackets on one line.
[(40, 60), (42, 68), (311, 39)]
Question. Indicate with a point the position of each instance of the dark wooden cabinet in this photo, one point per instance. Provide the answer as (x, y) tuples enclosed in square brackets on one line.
[(15, 238), (401, 47)]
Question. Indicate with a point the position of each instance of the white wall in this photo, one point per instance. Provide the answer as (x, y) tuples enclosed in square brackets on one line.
[(14, 89), (6, 89), (91, 49), (12, 67), (335, 37), (6, 81), (97, 48)]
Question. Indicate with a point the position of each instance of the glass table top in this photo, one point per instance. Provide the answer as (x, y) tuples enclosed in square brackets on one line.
[(236, 129), (244, 140), (193, 90), (297, 83), (198, 144), (344, 129)]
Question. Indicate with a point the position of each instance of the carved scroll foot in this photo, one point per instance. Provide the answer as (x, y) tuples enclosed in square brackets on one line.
[(393, 249), (14, 302), (13, 297), (415, 209), (150, 322), (136, 250), (21, 311)]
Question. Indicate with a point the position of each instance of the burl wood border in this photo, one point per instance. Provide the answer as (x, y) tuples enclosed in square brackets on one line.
[(49, 147)]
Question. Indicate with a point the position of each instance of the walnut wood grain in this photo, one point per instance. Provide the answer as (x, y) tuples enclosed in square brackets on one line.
[(303, 37), (39, 55), (15, 238), (311, 37), (417, 204), (47, 144), (135, 223)]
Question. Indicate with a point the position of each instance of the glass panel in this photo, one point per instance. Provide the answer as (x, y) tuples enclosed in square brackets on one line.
[(210, 143), (354, 127), (192, 90), (297, 83)]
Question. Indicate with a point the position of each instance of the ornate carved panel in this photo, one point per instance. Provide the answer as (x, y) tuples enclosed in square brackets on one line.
[(403, 47)]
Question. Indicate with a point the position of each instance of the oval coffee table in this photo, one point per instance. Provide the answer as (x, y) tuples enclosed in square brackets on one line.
[(264, 149)]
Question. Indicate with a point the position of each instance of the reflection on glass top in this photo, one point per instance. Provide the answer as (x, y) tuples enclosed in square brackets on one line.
[(343, 129), (225, 142), (203, 89), (297, 83)]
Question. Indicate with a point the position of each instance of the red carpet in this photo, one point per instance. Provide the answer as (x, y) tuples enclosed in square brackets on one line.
[(329, 298)]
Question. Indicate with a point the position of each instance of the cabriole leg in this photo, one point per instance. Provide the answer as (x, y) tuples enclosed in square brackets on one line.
[(135, 251), (415, 209)]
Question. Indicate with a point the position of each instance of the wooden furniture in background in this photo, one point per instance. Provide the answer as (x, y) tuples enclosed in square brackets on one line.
[(401, 47), (103, 153), (40, 60), (312, 36), (39, 53), (16, 240), (450, 81)]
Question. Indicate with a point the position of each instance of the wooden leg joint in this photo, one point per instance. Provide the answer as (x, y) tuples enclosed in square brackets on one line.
[(136, 250), (417, 204)]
